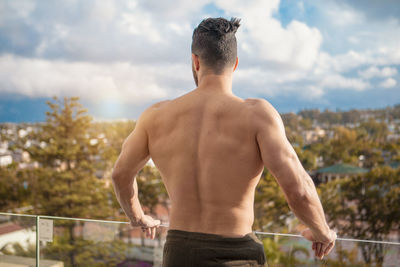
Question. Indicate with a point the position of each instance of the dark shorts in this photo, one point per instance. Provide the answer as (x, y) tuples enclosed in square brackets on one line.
[(189, 249)]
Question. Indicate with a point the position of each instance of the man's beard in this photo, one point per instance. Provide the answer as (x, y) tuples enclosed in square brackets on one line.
[(196, 81)]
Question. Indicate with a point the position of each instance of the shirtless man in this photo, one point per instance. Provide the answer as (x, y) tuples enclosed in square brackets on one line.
[(211, 147)]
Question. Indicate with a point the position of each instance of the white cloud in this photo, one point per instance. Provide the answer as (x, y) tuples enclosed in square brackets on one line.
[(374, 71), (312, 92), (374, 10), (338, 81), (360, 42), (22, 8), (388, 83), (343, 15), (136, 51), (342, 62), (141, 25), (387, 72), (103, 11), (264, 37), (176, 10), (120, 81)]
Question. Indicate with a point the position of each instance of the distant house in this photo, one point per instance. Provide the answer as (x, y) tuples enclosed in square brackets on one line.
[(12, 232), (394, 164), (20, 156), (311, 136), (392, 137), (3, 146), (18, 261), (5, 159), (336, 171)]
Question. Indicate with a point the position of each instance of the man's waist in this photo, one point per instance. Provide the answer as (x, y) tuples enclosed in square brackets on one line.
[(227, 229), (172, 233)]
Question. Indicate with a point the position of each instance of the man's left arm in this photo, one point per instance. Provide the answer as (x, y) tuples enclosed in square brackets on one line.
[(133, 157)]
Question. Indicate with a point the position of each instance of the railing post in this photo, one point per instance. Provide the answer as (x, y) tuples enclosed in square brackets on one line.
[(37, 241)]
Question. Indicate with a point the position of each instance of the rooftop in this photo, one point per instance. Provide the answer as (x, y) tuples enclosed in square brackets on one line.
[(342, 168)]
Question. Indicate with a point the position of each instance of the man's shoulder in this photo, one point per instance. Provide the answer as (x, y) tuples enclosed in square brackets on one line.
[(260, 106), (159, 104), (149, 113), (155, 107), (264, 116)]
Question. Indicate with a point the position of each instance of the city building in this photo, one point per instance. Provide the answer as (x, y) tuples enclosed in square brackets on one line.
[(336, 171)]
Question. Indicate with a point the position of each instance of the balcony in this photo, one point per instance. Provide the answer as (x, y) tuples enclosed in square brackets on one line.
[(32, 240)]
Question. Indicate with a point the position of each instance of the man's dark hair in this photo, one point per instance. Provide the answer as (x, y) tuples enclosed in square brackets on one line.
[(214, 42)]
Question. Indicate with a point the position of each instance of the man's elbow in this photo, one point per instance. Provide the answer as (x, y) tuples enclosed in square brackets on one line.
[(122, 177), (118, 177)]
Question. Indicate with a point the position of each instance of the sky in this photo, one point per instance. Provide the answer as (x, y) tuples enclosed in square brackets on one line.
[(121, 56)]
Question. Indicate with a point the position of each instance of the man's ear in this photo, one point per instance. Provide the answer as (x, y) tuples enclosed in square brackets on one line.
[(236, 64), (196, 62)]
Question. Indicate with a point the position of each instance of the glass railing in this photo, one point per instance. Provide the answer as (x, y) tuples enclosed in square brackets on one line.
[(294, 250), (30, 240), (18, 240)]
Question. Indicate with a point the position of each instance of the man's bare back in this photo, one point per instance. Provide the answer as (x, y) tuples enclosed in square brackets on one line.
[(204, 146), (210, 148)]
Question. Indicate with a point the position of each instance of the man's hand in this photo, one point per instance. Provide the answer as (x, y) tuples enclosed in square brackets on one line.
[(148, 225), (321, 247)]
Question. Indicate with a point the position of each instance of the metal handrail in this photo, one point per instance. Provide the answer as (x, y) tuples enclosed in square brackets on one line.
[(338, 238), (166, 225)]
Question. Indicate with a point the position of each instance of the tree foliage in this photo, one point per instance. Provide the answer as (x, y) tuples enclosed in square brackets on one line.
[(152, 191), (13, 188), (270, 206), (66, 183), (365, 207)]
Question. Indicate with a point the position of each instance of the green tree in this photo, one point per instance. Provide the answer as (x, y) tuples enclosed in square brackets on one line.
[(307, 157), (111, 135), (306, 124), (66, 184), (270, 207), (87, 252), (342, 147), (377, 131), (351, 116), (365, 207), (282, 251), (291, 121), (345, 257), (330, 117), (14, 191), (152, 191), (312, 114)]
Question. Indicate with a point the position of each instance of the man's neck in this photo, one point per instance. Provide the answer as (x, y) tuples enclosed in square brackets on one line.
[(216, 83)]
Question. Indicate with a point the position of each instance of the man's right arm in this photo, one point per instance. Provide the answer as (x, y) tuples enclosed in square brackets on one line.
[(281, 160)]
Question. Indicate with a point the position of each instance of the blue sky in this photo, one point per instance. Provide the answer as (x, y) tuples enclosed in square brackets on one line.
[(121, 56)]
